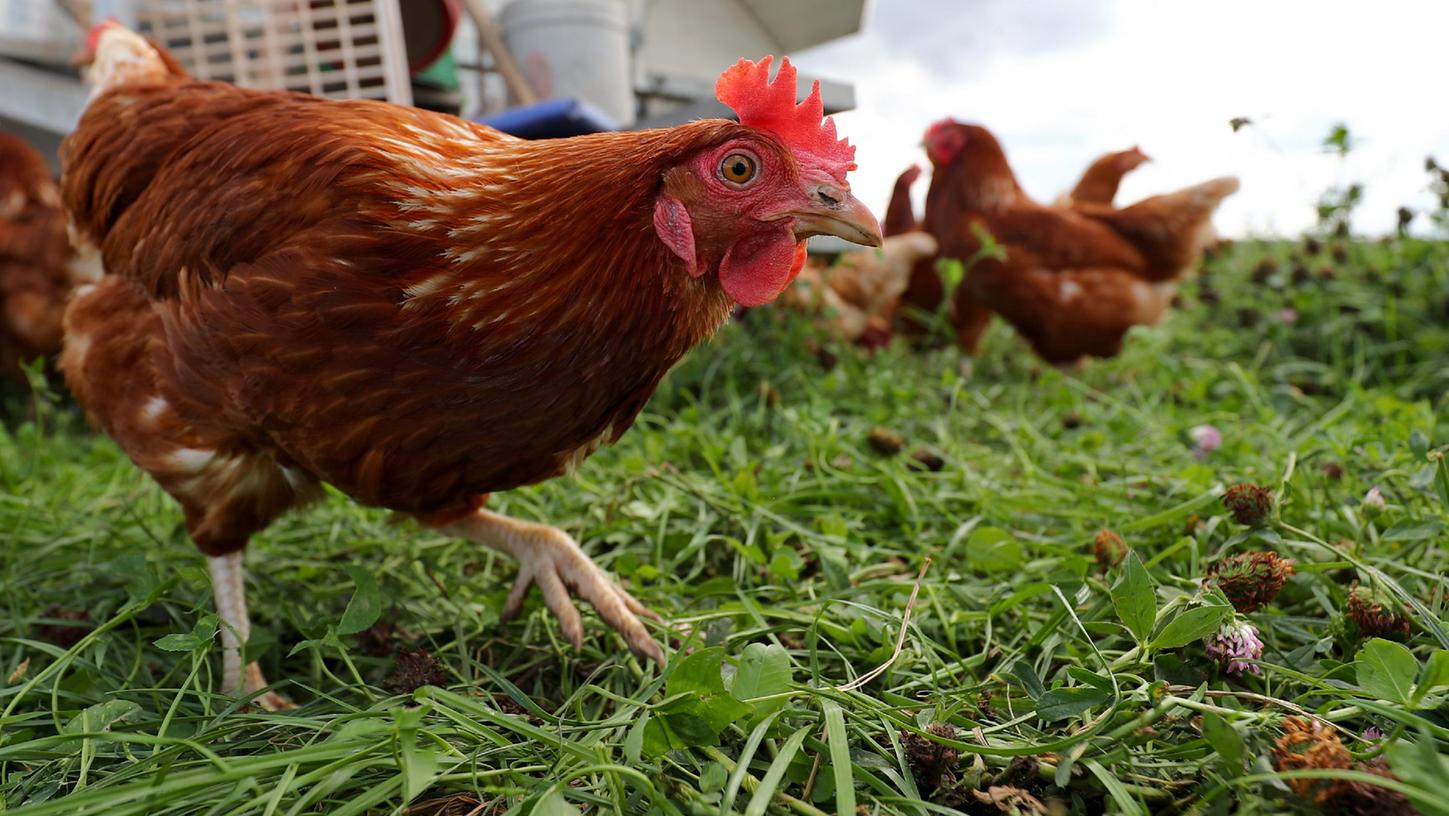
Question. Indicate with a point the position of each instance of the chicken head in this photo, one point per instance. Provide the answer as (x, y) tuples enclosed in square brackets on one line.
[(746, 207)]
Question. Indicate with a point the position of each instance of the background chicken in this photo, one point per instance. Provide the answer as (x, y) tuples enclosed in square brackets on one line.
[(36, 273), (1072, 280), (856, 298), (1099, 183), (412, 308)]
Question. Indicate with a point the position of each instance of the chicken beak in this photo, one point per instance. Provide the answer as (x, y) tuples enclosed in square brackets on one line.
[(834, 211)]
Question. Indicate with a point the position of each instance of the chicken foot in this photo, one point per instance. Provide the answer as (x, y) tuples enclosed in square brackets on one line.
[(551, 559), (229, 591)]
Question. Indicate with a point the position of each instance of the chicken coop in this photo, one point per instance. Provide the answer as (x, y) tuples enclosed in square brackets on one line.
[(604, 64)]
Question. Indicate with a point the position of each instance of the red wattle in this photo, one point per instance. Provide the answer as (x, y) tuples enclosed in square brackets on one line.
[(757, 269), (799, 262)]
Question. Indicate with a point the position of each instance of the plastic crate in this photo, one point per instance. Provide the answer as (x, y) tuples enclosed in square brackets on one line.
[(341, 49)]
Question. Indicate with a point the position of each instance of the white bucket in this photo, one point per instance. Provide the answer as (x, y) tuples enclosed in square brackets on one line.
[(574, 48)]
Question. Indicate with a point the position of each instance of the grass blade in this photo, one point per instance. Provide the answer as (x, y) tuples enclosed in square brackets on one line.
[(840, 763), (742, 764), (760, 802)]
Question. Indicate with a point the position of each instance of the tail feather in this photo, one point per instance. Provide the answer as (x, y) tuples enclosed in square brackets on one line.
[(1169, 230), (1099, 183), (115, 56), (900, 213), (1205, 196)]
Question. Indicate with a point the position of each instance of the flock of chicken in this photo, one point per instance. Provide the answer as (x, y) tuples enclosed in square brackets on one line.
[(264, 292), (1071, 277)]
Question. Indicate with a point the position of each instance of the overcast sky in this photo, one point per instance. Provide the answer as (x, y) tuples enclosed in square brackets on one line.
[(1061, 81)]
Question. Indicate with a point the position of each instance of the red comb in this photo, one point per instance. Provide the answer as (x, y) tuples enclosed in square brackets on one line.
[(746, 88), (939, 126), (94, 37)]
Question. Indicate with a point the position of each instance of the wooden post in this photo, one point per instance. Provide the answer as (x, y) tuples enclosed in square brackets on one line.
[(492, 39)]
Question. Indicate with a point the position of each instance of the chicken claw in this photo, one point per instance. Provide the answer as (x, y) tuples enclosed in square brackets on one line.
[(549, 558), (268, 701)]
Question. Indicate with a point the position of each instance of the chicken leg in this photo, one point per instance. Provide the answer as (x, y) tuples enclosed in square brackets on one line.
[(228, 589), (550, 558)]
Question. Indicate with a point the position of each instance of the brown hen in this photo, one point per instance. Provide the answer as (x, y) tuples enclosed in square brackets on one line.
[(1073, 280), (855, 298), (36, 269), (413, 308)]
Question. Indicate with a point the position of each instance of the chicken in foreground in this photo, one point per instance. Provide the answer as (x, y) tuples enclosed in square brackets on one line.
[(855, 298), (36, 268), (1099, 183), (1073, 280), (410, 307)]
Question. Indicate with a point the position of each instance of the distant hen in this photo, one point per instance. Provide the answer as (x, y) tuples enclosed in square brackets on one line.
[(36, 268), (1074, 279)]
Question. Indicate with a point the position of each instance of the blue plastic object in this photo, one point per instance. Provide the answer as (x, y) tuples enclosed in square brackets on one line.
[(551, 119)]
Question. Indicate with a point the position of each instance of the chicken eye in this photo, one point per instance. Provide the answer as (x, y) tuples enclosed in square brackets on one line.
[(738, 169)]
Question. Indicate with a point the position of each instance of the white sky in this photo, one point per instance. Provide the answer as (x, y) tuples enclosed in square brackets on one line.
[(1062, 81)]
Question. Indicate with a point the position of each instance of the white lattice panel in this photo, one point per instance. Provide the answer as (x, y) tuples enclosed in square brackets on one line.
[(343, 49)]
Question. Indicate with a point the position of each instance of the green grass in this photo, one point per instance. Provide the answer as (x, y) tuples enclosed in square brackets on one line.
[(748, 504)]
